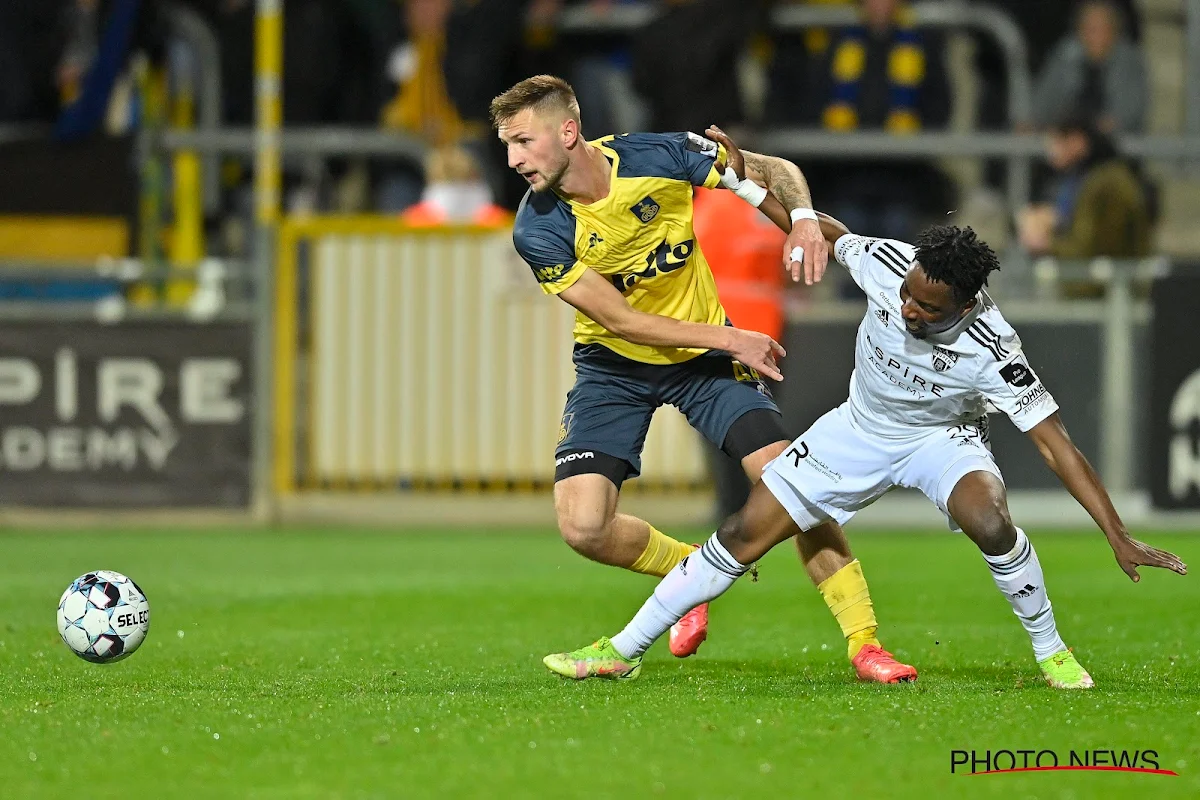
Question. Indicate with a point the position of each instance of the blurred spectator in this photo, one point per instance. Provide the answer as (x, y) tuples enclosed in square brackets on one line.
[(1096, 72), (334, 51), (598, 64), (796, 57), (32, 37), (95, 78), (1099, 206), (743, 248), (422, 104), (886, 75), (455, 58), (1043, 25), (455, 192), (689, 94)]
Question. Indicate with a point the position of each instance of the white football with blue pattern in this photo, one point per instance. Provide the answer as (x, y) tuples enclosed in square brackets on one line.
[(103, 616)]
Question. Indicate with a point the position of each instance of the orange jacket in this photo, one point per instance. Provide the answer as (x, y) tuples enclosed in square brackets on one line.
[(428, 215), (745, 251)]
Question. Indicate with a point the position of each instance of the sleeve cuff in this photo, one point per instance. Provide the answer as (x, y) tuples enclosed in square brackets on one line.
[(565, 282)]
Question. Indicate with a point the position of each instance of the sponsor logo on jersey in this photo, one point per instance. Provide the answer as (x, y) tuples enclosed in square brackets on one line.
[(1031, 397), (701, 144), (645, 210), (943, 359), (905, 377), (551, 274), (593, 239), (883, 315), (1017, 375)]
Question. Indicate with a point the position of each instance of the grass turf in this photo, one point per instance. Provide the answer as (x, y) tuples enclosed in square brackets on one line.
[(299, 664)]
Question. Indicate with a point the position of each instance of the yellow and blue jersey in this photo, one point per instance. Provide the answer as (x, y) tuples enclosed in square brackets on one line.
[(640, 237)]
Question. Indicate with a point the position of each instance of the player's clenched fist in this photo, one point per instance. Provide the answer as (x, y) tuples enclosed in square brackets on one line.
[(757, 351)]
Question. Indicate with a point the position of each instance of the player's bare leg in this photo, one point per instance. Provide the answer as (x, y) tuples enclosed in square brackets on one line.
[(700, 578), (586, 506), (979, 504), (825, 554), (689, 633)]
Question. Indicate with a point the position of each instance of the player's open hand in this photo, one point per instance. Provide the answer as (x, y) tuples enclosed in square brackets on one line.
[(1132, 554), (757, 351), (806, 251)]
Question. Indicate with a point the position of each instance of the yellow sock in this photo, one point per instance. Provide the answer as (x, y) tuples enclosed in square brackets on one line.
[(848, 597), (661, 555)]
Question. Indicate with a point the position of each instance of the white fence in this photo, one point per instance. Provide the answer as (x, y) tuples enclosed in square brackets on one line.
[(434, 360)]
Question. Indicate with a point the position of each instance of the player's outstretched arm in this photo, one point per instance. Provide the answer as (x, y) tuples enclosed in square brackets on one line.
[(1077, 475), (598, 300), (784, 179), (831, 229)]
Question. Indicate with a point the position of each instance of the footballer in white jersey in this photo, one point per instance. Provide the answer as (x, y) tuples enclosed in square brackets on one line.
[(932, 351)]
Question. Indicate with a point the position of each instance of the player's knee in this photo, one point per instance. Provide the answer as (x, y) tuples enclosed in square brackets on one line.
[(994, 532), (586, 531), (734, 534)]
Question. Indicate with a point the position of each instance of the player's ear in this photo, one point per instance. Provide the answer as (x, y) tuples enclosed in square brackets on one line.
[(966, 309), (569, 130)]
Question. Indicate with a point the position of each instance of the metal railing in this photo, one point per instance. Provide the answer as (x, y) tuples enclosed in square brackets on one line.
[(190, 28), (994, 22)]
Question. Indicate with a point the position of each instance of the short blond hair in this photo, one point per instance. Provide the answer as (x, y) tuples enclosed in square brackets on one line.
[(541, 93)]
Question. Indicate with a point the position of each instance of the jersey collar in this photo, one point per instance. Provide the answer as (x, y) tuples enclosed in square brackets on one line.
[(614, 161), (949, 337)]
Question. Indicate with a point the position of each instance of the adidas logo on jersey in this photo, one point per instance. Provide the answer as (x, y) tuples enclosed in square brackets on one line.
[(883, 315), (943, 359)]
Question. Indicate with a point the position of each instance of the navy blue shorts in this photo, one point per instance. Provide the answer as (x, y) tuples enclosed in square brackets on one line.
[(609, 408)]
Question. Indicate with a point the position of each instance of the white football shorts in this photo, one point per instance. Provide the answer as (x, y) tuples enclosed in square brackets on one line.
[(836, 468)]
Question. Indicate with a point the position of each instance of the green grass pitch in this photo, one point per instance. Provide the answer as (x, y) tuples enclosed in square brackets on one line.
[(342, 664)]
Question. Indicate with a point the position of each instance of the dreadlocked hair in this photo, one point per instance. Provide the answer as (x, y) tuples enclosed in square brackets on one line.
[(957, 257)]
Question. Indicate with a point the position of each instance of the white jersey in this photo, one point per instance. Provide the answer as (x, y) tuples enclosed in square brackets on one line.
[(902, 386)]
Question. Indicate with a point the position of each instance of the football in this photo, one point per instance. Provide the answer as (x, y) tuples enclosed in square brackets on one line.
[(103, 616)]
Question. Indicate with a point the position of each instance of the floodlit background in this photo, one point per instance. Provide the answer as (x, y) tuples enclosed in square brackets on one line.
[(260, 310)]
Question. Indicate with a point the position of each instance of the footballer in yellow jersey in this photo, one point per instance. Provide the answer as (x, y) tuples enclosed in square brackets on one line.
[(639, 237), (607, 226)]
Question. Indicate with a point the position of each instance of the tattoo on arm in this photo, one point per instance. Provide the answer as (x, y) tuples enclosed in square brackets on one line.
[(782, 178)]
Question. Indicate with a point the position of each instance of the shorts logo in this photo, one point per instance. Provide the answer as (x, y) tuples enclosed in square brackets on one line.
[(646, 210), (564, 427), (569, 457), (797, 455), (803, 453), (943, 359), (1017, 375), (744, 374), (883, 315)]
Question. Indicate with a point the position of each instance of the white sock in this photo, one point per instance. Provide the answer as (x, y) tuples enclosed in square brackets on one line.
[(1018, 574), (702, 576)]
